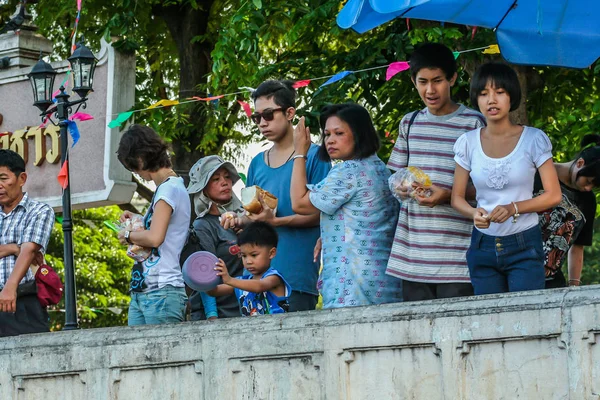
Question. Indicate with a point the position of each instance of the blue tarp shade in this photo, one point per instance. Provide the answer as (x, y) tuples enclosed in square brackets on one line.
[(563, 33)]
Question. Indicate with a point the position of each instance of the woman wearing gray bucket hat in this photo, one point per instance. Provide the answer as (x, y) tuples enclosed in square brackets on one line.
[(211, 182)]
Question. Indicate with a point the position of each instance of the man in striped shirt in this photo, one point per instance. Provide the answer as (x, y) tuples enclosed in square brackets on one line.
[(25, 227), (431, 240)]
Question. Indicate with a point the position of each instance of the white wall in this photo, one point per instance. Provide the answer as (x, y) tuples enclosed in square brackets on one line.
[(536, 345)]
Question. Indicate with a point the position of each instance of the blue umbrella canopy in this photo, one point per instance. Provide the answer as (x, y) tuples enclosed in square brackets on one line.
[(563, 33)]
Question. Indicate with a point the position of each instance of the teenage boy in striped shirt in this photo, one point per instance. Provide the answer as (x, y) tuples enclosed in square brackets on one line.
[(431, 240)]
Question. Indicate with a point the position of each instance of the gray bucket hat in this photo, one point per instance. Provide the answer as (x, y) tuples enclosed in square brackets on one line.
[(204, 169)]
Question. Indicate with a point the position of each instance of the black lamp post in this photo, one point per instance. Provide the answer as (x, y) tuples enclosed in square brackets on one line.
[(83, 64)]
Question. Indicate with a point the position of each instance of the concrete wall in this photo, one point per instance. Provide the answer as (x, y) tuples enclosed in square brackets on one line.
[(537, 345)]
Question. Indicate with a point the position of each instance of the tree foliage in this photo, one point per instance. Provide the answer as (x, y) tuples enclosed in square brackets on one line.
[(102, 269)]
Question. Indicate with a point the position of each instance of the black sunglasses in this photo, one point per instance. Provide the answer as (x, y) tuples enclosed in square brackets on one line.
[(267, 115)]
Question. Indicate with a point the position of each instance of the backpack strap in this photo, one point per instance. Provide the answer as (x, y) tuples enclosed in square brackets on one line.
[(410, 122)]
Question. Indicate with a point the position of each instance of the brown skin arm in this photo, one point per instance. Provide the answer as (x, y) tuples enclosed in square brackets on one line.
[(154, 236), (575, 263), (9, 250), (8, 295)]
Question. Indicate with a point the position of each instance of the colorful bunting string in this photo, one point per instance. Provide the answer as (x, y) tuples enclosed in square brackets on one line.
[(392, 69), (74, 31)]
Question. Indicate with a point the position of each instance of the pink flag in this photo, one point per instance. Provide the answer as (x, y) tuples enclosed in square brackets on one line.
[(396, 67), (299, 84), (246, 108), (81, 116)]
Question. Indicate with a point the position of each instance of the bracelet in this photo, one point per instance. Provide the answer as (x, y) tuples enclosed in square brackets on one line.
[(516, 215), (299, 156), (578, 282), (127, 239)]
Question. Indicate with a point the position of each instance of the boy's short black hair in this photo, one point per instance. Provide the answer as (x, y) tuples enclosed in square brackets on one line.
[(281, 91), (141, 148), (501, 76), (366, 140), (432, 56), (258, 234), (12, 161), (591, 156)]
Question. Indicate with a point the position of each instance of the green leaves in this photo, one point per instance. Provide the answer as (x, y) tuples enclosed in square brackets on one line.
[(102, 269)]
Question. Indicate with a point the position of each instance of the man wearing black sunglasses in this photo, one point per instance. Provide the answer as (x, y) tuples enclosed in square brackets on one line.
[(275, 108)]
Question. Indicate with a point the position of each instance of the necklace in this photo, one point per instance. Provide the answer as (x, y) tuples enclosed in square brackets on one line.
[(269, 158), (167, 176)]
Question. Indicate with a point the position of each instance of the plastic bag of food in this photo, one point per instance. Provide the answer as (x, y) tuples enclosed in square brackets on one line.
[(401, 183), (135, 223)]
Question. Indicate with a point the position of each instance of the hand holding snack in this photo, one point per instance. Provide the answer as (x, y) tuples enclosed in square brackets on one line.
[(410, 182), (251, 199), (133, 223)]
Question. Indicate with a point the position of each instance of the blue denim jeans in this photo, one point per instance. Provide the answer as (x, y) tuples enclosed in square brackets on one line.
[(162, 306), (513, 263)]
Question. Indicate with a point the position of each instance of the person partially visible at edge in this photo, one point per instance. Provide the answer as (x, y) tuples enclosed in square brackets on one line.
[(211, 182), (569, 227), (275, 103), (428, 253), (358, 210), (157, 288), (264, 290), (505, 254), (25, 226)]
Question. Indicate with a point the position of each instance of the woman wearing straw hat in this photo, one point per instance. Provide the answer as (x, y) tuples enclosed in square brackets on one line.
[(211, 182)]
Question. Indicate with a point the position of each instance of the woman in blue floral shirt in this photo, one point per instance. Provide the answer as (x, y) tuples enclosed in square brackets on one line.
[(358, 211)]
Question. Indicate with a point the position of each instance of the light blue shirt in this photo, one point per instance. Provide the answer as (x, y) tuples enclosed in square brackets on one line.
[(358, 221), (294, 259)]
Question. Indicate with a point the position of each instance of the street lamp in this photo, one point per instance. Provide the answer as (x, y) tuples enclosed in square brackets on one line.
[(83, 64)]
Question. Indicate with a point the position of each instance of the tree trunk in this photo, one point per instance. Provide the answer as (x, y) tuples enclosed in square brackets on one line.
[(519, 116), (185, 23)]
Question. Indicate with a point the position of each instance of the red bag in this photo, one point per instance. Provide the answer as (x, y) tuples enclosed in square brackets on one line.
[(49, 286)]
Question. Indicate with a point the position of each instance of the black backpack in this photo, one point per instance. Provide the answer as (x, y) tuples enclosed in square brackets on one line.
[(192, 245)]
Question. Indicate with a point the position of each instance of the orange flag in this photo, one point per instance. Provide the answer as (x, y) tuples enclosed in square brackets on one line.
[(63, 175)]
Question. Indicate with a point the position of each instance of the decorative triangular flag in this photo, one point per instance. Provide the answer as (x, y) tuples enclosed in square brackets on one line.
[(493, 49), (79, 116), (164, 103), (246, 108), (299, 84), (74, 131), (456, 54), (337, 77), (63, 175), (394, 68), (120, 119)]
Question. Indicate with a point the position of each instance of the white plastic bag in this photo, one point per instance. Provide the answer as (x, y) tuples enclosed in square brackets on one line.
[(401, 183)]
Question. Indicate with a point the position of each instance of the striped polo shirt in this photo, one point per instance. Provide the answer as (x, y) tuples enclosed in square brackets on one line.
[(430, 244), (29, 221)]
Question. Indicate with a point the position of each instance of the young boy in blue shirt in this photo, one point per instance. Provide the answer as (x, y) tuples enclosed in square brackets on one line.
[(265, 291)]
